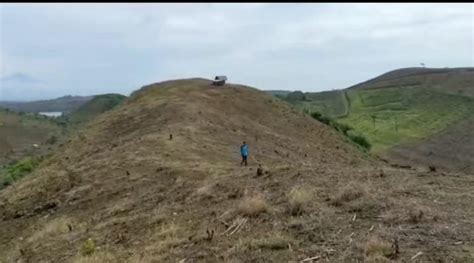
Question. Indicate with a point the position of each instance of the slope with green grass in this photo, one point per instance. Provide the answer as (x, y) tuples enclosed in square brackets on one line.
[(393, 116), (330, 103), (99, 104), (403, 110), (25, 134)]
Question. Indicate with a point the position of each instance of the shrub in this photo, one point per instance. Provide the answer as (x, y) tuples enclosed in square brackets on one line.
[(341, 127), (348, 193), (16, 171), (360, 140), (253, 206), (320, 117), (88, 247), (379, 249), (298, 199)]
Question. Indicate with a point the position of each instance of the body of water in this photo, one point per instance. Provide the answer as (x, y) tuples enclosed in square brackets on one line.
[(51, 113)]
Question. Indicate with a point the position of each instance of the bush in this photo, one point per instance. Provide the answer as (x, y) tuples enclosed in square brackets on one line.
[(360, 140), (298, 199), (16, 171), (341, 127), (88, 247), (253, 206), (378, 250), (318, 116)]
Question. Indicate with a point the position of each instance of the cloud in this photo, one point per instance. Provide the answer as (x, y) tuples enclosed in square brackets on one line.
[(83, 49)]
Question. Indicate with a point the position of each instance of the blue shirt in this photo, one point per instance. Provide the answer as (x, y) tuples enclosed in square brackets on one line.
[(244, 150)]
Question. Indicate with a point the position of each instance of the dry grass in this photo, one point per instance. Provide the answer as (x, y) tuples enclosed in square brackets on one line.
[(275, 242), (52, 228), (253, 206), (417, 213), (378, 250), (143, 258), (205, 191), (299, 199), (377, 259), (99, 257), (166, 237), (348, 193)]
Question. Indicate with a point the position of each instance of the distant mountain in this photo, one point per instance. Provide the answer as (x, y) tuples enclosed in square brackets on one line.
[(18, 78), (62, 104)]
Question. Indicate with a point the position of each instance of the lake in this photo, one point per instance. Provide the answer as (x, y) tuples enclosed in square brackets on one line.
[(51, 113)]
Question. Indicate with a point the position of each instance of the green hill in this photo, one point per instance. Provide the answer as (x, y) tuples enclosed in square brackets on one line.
[(20, 131), (94, 107), (402, 108), (62, 104)]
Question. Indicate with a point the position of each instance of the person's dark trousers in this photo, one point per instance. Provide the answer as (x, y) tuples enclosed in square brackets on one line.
[(244, 160)]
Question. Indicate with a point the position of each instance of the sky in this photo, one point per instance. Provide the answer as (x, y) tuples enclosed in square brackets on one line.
[(52, 50)]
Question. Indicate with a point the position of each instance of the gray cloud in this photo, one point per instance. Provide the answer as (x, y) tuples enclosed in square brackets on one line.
[(84, 49)]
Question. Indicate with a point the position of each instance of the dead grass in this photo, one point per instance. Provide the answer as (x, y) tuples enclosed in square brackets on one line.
[(378, 250), (99, 257), (166, 237), (350, 192), (52, 228), (144, 258), (205, 191), (377, 259), (299, 199), (253, 206), (275, 242)]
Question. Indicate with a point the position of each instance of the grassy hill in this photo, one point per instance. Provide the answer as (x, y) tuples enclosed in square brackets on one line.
[(26, 137), (62, 104), (98, 105), (122, 190), (401, 108), (19, 131)]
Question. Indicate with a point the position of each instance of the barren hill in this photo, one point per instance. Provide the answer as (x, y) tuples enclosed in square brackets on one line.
[(143, 197), (450, 80)]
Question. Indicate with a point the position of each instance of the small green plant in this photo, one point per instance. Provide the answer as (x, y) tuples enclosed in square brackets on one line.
[(88, 247), (16, 171)]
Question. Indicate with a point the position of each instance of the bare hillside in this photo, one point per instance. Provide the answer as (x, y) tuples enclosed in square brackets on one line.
[(451, 149), (139, 196), (458, 81)]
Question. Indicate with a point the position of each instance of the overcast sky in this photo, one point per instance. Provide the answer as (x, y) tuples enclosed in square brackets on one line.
[(51, 50)]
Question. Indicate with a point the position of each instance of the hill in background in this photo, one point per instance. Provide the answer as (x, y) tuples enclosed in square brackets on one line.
[(413, 112), (123, 190), (97, 105), (62, 104), (19, 132)]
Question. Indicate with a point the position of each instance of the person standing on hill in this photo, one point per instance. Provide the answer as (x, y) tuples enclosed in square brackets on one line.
[(244, 151)]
